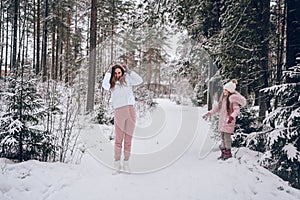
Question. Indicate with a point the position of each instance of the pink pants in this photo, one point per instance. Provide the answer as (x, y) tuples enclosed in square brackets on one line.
[(124, 121)]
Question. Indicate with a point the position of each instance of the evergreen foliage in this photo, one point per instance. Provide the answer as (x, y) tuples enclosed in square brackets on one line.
[(237, 36), (103, 116), (247, 124), (20, 118), (37, 123), (283, 139)]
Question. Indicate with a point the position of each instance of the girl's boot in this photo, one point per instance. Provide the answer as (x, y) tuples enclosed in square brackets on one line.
[(222, 149), (227, 154)]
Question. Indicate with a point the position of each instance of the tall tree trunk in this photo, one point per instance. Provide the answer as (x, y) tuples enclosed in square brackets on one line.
[(57, 53), (54, 42), (38, 33), (61, 50), (112, 44), (92, 57), (22, 55), (1, 37), (53, 53), (15, 35), (292, 32), (14, 67), (28, 34), (76, 47), (280, 40), (281, 49), (22, 34), (6, 48), (68, 53), (58, 64), (44, 46), (34, 35), (264, 8), (149, 67)]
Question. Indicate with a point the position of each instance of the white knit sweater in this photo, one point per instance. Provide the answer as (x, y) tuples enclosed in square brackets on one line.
[(122, 95)]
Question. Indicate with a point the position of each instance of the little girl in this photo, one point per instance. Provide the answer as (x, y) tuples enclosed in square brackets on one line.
[(229, 108)]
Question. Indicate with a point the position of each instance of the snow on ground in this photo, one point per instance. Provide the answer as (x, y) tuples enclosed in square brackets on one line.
[(172, 158)]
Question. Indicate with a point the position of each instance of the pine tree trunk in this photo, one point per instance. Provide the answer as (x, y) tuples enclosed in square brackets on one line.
[(23, 44), (38, 33), (281, 49), (34, 35), (264, 8), (92, 58), (15, 35), (14, 68), (22, 34), (54, 42), (44, 46), (28, 34), (112, 44), (149, 67), (61, 50), (6, 48), (20, 117), (292, 32), (280, 40), (53, 67), (68, 56), (1, 37), (57, 47)]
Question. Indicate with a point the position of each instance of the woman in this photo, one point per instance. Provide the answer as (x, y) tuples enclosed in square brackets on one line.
[(119, 80), (229, 108)]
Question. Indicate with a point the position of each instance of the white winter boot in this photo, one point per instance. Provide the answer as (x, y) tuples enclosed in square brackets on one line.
[(117, 166), (126, 167)]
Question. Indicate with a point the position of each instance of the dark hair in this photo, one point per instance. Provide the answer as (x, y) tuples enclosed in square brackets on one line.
[(113, 80), (227, 102)]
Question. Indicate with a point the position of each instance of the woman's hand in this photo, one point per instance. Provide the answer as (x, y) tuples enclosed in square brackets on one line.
[(126, 68)]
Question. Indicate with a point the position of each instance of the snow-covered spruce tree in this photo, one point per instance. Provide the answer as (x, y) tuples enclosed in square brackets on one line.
[(246, 124), (23, 111), (104, 115), (282, 141)]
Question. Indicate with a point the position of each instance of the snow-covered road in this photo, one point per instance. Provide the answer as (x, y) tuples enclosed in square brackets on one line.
[(165, 163)]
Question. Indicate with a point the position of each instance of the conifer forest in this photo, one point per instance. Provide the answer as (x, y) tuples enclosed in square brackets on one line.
[(54, 54)]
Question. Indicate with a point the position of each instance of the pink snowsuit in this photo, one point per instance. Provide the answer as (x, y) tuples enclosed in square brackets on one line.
[(236, 100)]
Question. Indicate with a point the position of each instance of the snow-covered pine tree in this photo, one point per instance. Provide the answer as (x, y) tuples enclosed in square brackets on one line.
[(282, 141), (103, 116), (246, 125), (23, 111)]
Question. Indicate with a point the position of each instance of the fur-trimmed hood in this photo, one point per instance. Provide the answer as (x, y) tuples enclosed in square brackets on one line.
[(238, 98)]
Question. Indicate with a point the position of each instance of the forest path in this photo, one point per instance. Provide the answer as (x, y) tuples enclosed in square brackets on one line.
[(171, 132)]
